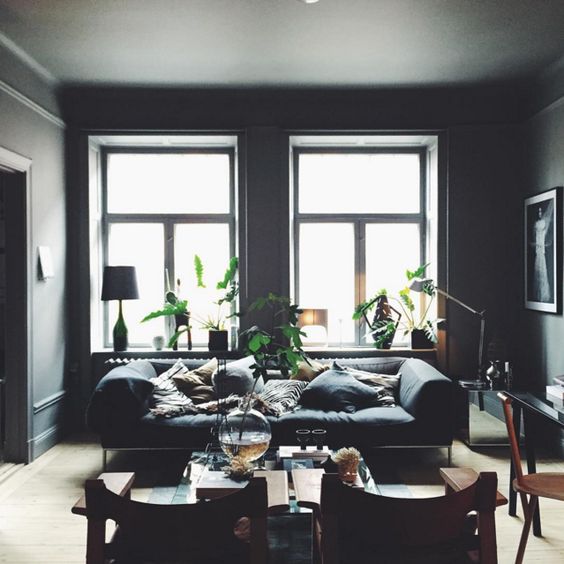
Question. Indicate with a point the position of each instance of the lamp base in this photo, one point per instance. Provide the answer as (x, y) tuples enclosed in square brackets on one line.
[(120, 332)]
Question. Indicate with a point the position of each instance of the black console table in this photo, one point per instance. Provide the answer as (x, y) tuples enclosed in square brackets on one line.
[(530, 405)]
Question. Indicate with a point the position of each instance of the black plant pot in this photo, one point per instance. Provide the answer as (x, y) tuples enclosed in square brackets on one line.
[(217, 341), (419, 340)]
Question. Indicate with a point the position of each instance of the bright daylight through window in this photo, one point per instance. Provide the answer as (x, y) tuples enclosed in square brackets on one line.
[(360, 221), (161, 207)]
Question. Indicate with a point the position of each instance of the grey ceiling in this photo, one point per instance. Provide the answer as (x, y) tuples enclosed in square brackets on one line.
[(286, 42)]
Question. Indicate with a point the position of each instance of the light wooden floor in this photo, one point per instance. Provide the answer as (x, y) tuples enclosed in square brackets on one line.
[(36, 524)]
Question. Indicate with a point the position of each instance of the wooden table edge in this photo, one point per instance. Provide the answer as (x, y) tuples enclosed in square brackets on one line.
[(118, 482)]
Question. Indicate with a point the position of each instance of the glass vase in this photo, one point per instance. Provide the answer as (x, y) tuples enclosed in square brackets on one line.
[(245, 433)]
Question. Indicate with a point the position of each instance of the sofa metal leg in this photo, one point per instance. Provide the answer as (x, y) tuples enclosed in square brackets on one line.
[(449, 456), (104, 459)]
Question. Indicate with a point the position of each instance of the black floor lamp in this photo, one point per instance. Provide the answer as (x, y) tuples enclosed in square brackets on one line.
[(427, 286), (120, 283)]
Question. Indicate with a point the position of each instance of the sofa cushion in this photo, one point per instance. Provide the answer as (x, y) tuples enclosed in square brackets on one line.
[(197, 383), (308, 370), (237, 379), (283, 395), (337, 390), (165, 392), (386, 384)]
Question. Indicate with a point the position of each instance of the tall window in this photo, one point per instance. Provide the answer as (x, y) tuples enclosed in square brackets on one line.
[(160, 208), (359, 223)]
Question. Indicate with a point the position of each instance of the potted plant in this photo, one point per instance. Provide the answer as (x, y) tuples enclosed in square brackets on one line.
[(229, 290), (178, 308), (245, 433), (423, 330), (383, 325)]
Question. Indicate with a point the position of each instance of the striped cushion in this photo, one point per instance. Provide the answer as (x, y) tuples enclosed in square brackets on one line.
[(283, 395), (165, 393)]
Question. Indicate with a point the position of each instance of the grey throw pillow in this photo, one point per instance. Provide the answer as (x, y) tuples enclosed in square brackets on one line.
[(386, 384), (237, 379), (337, 390)]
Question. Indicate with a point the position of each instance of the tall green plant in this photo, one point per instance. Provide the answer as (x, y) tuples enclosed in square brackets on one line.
[(267, 348), (229, 290)]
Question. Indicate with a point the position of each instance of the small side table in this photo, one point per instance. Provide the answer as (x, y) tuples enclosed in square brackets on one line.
[(478, 427)]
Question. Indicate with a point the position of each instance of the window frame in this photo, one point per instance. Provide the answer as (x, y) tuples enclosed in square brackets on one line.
[(359, 220), (168, 220)]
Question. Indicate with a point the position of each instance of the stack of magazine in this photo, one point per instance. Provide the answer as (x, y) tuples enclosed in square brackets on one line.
[(555, 392)]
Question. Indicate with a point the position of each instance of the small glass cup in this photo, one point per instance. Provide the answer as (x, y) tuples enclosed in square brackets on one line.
[(319, 436), (302, 436)]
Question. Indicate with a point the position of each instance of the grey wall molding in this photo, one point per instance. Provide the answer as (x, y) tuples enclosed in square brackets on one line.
[(44, 441), (28, 102), (49, 401)]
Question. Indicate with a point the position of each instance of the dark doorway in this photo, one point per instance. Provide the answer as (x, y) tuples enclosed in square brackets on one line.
[(14, 308)]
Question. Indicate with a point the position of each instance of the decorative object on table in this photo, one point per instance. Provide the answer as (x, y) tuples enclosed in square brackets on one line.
[(158, 342), (347, 461), (495, 375), (427, 286), (120, 283), (302, 437), (245, 432), (555, 392), (385, 322), (178, 310), (543, 251), (229, 288), (319, 437), (314, 324), (310, 452), (239, 469)]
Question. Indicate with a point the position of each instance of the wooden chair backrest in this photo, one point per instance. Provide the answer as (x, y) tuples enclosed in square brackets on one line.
[(354, 522), (182, 532), (513, 441)]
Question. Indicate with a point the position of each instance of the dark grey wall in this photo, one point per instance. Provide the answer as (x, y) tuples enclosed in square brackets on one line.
[(541, 355), (30, 127), (481, 167)]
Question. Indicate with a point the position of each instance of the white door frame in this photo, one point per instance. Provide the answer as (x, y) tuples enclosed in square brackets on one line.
[(18, 390)]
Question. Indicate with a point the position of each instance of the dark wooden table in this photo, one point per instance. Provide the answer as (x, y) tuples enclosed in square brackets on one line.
[(528, 406)]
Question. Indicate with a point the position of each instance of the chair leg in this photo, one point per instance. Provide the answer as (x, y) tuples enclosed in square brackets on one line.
[(530, 511)]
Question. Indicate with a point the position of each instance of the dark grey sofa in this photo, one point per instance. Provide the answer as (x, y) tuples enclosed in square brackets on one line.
[(119, 411)]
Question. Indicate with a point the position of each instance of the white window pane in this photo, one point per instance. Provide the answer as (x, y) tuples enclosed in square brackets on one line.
[(140, 245), (326, 275), (359, 183), (391, 249), (168, 183), (211, 243)]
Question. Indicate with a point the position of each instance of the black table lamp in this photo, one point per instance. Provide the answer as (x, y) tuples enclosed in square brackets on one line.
[(120, 283)]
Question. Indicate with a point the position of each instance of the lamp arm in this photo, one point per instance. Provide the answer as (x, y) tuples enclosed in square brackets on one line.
[(449, 297)]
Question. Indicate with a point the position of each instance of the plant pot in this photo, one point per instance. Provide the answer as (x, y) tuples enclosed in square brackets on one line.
[(419, 340), (383, 315), (181, 321), (218, 341)]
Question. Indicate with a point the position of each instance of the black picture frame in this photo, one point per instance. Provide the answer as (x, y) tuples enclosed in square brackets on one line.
[(543, 251)]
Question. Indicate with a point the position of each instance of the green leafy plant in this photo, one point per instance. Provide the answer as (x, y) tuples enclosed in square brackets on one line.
[(383, 330), (282, 346), (176, 307), (229, 290)]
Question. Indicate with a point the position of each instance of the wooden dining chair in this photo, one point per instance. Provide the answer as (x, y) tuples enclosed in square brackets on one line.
[(541, 484), (354, 526), (228, 529)]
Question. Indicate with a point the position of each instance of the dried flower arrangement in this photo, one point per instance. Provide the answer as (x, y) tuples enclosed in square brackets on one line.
[(347, 460), (239, 469)]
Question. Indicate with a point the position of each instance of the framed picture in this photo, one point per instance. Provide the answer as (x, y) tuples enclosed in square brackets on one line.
[(543, 250)]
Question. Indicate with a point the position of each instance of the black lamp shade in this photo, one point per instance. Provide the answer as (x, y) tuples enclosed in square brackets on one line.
[(120, 283)]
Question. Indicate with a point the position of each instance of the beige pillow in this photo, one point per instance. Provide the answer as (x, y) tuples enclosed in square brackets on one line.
[(197, 384), (307, 372)]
